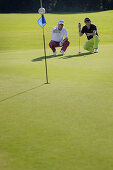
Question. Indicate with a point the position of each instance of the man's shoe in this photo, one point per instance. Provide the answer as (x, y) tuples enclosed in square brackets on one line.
[(95, 50), (54, 53), (62, 52)]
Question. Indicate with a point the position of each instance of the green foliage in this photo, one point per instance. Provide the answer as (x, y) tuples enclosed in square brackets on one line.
[(56, 5)]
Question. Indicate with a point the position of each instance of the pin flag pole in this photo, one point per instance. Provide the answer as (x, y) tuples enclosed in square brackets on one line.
[(44, 49), (45, 57), (41, 3)]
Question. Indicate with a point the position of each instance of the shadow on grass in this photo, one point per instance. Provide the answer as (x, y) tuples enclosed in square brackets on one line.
[(77, 55), (43, 57), (25, 91), (63, 57)]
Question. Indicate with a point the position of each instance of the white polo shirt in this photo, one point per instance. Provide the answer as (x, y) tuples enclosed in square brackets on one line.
[(59, 36)]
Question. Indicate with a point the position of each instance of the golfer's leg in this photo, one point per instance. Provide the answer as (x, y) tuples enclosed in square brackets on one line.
[(96, 41), (89, 45), (52, 45), (65, 45)]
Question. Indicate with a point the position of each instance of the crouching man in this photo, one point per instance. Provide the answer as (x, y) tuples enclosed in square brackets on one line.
[(91, 32), (59, 38)]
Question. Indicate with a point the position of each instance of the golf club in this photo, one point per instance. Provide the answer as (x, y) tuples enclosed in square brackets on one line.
[(79, 38)]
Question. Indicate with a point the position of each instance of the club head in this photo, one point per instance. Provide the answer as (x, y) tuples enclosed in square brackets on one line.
[(79, 52), (47, 83)]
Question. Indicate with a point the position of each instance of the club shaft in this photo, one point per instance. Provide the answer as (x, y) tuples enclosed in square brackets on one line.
[(79, 42), (79, 37)]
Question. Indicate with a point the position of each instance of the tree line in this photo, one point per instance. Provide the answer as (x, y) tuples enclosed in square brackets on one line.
[(26, 6)]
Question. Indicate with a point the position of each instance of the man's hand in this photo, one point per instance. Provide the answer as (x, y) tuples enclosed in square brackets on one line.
[(94, 33), (79, 26), (61, 43), (56, 31), (88, 34)]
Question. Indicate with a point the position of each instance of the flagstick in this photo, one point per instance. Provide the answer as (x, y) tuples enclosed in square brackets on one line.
[(45, 57), (44, 49), (41, 3)]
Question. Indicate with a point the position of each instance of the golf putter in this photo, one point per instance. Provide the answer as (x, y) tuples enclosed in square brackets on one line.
[(79, 39)]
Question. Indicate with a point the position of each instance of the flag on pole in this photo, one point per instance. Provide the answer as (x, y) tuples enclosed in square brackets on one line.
[(42, 21)]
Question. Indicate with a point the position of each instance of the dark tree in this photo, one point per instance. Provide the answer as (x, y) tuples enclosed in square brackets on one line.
[(55, 5)]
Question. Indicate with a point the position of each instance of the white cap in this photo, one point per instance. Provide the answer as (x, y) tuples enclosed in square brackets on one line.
[(61, 22)]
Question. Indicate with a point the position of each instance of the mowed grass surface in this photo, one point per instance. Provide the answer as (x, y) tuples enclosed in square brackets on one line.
[(67, 124)]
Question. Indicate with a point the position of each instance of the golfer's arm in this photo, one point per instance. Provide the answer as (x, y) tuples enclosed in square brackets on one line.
[(80, 33), (56, 31), (94, 32), (65, 39)]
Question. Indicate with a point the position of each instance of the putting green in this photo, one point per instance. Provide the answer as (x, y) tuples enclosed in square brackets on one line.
[(68, 123)]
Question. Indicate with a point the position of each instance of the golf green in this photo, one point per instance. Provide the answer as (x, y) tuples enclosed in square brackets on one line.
[(64, 125)]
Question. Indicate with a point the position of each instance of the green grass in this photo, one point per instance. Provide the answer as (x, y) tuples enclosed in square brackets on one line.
[(67, 124)]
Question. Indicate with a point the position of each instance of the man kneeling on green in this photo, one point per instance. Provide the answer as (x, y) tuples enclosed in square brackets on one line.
[(91, 32)]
